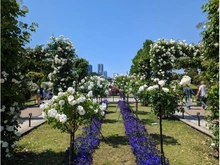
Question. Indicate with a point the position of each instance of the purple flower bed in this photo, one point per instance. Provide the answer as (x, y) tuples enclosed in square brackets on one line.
[(85, 144), (141, 143)]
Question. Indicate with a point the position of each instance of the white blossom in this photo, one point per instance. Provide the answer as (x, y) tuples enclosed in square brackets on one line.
[(9, 128), (2, 128), (71, 90), (81, 110), (61, 102), (18, 134), (4, 144), (161, 83), (165, 89), (52, 112), (63, 118), (90, 94), (186, 80), (70, 98)]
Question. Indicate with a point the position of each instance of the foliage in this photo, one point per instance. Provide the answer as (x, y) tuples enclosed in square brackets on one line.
[(38, 62), (193, 73), (35, 77), (210, 41), (14, 35), (80, 66), (141, 62), (63, 54)]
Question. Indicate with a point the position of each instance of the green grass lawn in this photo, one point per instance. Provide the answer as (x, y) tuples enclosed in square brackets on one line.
[(183, 145)]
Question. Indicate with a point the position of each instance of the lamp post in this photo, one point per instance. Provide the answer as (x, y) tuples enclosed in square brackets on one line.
[(198, 118), (30, 115)]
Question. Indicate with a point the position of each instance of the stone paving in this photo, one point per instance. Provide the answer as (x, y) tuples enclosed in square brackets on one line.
[(190, 117)]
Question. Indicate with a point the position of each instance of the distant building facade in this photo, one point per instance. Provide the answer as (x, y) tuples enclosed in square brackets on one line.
[(90, 69), (100, 69), (105, 74)]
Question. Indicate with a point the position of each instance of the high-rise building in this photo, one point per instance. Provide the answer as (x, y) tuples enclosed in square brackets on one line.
[(105, 74), (90, 69), (100, 69)]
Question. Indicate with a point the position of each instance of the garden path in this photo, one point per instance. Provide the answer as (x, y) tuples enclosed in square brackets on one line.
[(190, 117)]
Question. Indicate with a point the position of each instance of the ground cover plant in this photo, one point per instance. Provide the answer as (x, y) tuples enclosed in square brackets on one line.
[(182, 144)]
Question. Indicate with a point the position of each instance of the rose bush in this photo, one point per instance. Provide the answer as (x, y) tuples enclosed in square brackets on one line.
[(69, 110), (162, 96), (167, 55), (95, 86)]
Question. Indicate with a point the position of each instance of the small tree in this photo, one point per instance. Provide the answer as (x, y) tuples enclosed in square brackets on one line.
[(63, 54), (69, 110)]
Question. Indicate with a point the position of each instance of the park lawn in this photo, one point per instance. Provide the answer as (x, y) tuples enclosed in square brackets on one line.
[(183, 145)]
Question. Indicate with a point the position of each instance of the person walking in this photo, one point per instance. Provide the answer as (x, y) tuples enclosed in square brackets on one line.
[(188, 99), (202, 91), (38, 94)]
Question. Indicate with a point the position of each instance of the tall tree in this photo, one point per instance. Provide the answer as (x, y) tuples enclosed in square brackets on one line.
[(80, 66), (14, 35), (63, 55), (38, 62), (141, 62), (210, 41)]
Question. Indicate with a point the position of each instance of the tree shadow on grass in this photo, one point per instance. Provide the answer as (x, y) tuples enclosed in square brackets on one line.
[(108, 112), (47, 157), (168, 140), (144, 113), (116, 140), (109, 121), (148, 121)]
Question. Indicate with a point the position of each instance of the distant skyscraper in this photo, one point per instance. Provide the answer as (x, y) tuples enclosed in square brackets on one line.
[(100, 69), (90, 69), (105, 74)]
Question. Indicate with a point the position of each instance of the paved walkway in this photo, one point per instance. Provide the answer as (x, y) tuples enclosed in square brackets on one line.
[(190, 117)]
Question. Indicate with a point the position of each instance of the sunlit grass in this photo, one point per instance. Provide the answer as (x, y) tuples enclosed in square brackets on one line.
[(182, 144)]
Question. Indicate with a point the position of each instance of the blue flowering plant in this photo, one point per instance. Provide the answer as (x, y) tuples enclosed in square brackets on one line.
[(142, 144)]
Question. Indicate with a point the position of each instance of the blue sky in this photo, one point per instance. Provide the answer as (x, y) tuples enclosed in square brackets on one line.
[(112, 31)]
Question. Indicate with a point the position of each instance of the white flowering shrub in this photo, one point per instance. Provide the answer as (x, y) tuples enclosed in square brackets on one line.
[(70, 109), (63, 53), (95, 86), (10, 112), (128, 84), (161, 96), (165, 55)]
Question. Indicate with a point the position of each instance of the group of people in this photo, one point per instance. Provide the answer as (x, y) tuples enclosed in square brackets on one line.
[(42, 94), (201, 93)]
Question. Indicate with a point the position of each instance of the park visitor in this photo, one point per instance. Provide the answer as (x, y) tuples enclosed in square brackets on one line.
[(188, 99), (202, 94)]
